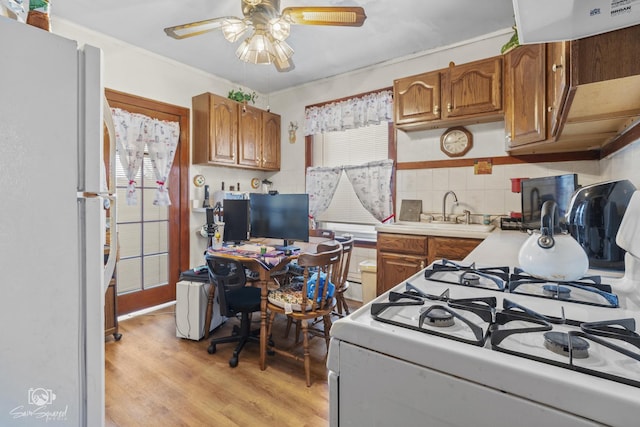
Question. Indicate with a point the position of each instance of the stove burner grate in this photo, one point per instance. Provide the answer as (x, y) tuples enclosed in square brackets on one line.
[(494, 278), (439, 316), (566, 345), (587, 290)]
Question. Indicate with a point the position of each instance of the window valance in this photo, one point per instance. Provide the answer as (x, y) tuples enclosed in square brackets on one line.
[(372, 108)]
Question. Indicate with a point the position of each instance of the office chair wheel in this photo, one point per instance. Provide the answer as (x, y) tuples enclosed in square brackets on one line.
[(211, 349), (233, 362)]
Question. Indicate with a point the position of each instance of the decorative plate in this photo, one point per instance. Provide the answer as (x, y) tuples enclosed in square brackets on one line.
[(198, 180)]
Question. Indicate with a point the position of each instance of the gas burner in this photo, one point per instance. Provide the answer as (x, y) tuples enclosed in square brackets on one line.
[(566, 345), (557, 291), (469, 279), (437, 317)]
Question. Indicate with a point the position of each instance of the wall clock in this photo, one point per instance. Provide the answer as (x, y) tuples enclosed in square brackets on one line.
[(456, 141)]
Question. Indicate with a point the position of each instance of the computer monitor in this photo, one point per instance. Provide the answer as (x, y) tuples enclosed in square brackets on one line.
[(536, 191), (280, 216), (236, 220)]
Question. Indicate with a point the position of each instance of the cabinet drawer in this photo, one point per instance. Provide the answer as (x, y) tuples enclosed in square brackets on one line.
[(402, 243), (451, 248)]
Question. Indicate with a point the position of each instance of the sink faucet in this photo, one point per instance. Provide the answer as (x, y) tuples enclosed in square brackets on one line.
[(444, 203)]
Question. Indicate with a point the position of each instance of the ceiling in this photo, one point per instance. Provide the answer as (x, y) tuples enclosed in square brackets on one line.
[(393, 29)]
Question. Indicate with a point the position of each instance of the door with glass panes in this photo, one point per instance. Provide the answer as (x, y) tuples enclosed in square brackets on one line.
[(153, 245)]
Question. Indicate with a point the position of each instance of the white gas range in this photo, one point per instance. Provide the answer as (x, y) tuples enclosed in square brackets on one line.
[(487, 352)]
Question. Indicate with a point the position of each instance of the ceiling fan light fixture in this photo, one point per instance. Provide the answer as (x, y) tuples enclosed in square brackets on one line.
[(257, 49), (233, 29), (279, 28), (282, 51)]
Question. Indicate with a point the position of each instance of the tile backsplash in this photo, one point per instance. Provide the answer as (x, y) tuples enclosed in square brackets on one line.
[(483, 194)]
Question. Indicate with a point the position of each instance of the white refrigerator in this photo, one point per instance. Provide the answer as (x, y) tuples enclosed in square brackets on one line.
[(52, 230)]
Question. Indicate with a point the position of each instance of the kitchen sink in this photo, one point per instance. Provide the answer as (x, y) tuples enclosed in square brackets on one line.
[(448, 226)]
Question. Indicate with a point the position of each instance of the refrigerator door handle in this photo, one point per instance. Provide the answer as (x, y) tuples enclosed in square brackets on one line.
[(110, 265), (110, 199)]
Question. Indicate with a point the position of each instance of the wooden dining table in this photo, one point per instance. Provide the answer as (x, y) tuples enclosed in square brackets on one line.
[(264, 266)]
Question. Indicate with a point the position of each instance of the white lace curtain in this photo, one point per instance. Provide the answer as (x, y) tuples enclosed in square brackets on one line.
[(133, 133), (352, 113), (371, 183), (321, 185)]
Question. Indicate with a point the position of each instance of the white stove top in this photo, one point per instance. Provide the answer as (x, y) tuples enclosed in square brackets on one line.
[(560, 387)]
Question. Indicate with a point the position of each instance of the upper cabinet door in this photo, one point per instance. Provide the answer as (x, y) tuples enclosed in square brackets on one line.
[(417, 98), (472, 88), (249, 136), (525, 115), (215, 124), (270, 141), (558, 83), (224, 121)]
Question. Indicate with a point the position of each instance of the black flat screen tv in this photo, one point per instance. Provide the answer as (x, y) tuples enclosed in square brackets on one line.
[(280, 216), (236, 220), (535, 191)]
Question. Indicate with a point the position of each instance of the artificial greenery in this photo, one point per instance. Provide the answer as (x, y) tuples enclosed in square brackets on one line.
[(512, 43), (241, 96)]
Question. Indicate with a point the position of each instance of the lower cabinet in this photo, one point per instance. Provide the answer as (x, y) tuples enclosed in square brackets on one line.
[(399, 256), (452, 248)]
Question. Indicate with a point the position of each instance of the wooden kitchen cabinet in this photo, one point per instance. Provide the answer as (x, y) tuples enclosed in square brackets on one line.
[(270, 148), (536, 88), (472, 89), (451, 248), (417, 99), (586, 95), (400, 256), (458, 95), (228, 133)]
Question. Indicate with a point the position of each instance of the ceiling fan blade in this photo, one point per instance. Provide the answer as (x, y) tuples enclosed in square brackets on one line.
[(341, 16), (196, 28)]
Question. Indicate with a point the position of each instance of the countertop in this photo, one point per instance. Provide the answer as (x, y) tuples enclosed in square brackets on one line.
[(501, 248), (476, 231)]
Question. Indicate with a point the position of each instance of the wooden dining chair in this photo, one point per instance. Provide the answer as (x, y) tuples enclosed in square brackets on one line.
[(342, 284), (302, 302), (321, 232)]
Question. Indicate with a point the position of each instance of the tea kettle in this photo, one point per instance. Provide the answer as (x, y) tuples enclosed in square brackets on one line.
[(556, 257)]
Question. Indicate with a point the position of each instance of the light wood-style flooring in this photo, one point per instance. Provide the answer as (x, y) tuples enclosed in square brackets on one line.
[(155, 379)]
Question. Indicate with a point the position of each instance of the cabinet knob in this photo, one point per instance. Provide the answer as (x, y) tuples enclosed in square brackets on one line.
[(436, 109), (449, 107), (556, 67), (421, 265), (550, 108)]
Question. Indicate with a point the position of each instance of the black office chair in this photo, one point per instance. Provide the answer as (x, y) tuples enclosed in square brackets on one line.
[(228, 276)]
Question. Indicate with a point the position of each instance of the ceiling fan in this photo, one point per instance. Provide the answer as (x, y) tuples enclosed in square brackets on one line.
[(266, 45)]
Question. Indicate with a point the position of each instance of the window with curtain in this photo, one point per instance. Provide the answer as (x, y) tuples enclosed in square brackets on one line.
[(142, 232), (349, 147)]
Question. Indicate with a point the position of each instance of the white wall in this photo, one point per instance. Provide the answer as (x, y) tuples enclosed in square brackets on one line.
[(139, 72)]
